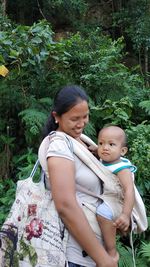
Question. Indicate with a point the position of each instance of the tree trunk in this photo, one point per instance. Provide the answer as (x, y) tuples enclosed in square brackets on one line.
[(146, 65), (4, 5)]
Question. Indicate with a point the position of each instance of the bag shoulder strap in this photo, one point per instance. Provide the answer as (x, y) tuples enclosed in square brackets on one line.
[(34, 168)]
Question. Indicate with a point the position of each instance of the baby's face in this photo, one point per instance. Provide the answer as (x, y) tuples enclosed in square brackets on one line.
[(110, 145)]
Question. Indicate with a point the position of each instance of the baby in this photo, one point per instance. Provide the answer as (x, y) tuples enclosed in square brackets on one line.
[(111, 147)]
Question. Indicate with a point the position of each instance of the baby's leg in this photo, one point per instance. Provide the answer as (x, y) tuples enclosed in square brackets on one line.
[(104, 217)]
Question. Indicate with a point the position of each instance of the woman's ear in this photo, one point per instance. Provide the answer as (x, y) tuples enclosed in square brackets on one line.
[(54, 114), (124, 150)]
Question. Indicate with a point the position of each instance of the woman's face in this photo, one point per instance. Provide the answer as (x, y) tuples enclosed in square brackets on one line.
[(73, 121)]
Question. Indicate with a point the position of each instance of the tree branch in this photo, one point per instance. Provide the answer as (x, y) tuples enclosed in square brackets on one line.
[(41, 10)]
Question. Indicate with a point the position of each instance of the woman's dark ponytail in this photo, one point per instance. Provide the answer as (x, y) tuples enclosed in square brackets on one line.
[(50, 126)]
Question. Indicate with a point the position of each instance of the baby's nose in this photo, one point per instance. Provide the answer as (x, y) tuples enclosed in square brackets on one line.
[(105, 146)]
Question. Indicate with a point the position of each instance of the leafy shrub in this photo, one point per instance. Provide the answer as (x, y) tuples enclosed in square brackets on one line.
[(7, 192), (139, 151)]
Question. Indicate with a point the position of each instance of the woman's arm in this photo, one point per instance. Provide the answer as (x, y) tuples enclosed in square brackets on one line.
[(62, 180), (126, 181)]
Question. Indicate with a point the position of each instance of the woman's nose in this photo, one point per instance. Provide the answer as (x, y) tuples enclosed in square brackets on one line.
[(81, 123)]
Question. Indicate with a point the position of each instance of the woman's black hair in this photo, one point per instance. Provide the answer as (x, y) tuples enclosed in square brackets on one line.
[(64, 100)]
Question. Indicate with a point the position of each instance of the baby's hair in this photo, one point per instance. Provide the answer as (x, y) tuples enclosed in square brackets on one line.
[(125, 139)]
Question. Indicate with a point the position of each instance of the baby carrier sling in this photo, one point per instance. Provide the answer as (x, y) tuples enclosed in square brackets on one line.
[(112, 192), (112, 189)]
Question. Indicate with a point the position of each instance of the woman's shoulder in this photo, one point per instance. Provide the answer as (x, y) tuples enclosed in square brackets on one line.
[(61, 139), (55, 144)]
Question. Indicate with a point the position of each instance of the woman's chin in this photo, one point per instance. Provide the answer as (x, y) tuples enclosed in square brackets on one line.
[(76, 135)]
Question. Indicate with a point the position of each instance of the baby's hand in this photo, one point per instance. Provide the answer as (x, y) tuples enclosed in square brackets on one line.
[(93, 150), (122, 222)]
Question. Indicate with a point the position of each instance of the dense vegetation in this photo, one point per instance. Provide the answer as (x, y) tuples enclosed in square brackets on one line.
[(110, 59)]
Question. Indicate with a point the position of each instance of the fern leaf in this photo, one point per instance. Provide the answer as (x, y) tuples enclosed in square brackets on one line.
[(145, 105), (33, 119), (145, 250)]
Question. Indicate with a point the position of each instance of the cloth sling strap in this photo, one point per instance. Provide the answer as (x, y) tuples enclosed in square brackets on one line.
[(112, 188), (86, 157), (109, 179), (86, 191)]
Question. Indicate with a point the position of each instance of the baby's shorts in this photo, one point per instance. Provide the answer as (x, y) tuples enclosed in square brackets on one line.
[(105, 211)]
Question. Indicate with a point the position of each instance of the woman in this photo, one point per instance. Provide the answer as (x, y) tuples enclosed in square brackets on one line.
[(69, 115)]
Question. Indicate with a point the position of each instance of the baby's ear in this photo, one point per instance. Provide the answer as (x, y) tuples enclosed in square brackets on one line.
[(124, 150)]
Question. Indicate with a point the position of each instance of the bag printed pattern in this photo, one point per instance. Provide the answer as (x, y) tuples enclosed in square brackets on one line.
[(39, 226)]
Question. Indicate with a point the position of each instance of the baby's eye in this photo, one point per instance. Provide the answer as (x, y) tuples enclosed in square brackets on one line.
[(112, 144), (100, 143)]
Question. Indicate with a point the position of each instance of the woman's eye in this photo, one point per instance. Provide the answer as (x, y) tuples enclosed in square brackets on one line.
[(74, 119), (86, 116)]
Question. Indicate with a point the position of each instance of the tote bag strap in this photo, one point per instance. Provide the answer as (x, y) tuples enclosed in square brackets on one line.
[(34, 169), (42, 175)]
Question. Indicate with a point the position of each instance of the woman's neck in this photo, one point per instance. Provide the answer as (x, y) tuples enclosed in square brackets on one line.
[(81, 142)]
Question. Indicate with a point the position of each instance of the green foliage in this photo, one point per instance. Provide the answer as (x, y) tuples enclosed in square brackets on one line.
[(5, 22), (145, 251), (6, 146), (105, 72), (140, 253), (25, 47), (24, 51), (38, 67), (145, 105), (33, 120), (24, 164), (125, 255), (112, 112), (7, 193), (133, 20), (139, 152), (67, 12), (143, 255), (95, 61)]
